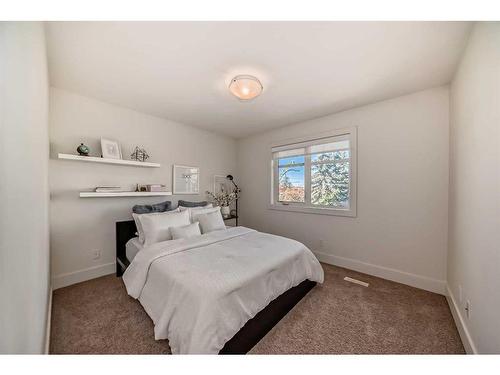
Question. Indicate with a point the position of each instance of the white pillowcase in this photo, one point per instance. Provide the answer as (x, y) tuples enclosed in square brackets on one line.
[(211, 221), (203, 211), (156, 228), (192, 209), (138, 225), (186, 231), (208, 205)]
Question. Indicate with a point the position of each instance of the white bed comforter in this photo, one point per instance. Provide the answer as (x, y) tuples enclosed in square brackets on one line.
[(200, 291)]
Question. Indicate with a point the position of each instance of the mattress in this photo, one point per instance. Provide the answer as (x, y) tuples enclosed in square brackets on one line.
[(132, 247)]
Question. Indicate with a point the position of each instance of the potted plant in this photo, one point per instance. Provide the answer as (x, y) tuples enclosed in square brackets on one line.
[(223, 199)]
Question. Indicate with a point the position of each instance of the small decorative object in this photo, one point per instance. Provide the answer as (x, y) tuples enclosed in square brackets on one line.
[(233, 213), (186, 180), (83, 150), (223, 199), (152, 188), (155, 188), (110, 149), (139, 154)]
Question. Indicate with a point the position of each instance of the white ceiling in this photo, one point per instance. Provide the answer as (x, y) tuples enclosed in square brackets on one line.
[(181, 70)]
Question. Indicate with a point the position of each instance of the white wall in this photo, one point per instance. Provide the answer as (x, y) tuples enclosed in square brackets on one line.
[(474, 218), (400, 231), (81, 225), (24, 194)]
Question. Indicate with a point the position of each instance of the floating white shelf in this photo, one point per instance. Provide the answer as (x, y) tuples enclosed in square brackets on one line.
[(94, 159), (93, 194)]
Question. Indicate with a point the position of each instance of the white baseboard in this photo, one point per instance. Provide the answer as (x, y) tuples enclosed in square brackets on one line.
[(417, 281), (48, 323), (469, 345), (71, 278)]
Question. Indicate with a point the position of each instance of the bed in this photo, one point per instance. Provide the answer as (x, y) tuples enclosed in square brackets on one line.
[(220, 292)]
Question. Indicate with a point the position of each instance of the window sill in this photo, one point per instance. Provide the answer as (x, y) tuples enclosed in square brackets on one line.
[(314, 210)]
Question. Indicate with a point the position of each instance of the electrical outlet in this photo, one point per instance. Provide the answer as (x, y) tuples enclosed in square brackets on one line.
[(96, 254), (460, 293), (467, 309)]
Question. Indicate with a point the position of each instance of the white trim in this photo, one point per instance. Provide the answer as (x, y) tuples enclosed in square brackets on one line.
[(307, 138), (417, 281), (48, 323), (467, 341), (312, 141), (66, 279), (312, 210)]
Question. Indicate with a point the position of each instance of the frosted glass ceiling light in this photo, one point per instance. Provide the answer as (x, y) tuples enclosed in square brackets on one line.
[(245, 87)]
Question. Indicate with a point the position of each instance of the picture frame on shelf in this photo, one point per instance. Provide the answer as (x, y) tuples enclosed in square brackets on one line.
[(110, 149), (185, 179)]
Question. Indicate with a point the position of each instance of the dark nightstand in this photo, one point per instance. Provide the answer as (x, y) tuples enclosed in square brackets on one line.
[(232, 217)]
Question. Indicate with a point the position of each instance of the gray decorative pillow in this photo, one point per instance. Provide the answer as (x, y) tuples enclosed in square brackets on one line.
[(150, 208), (191, 204)]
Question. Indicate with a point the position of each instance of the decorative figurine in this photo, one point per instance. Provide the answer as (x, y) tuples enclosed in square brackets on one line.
[(139, 154), (83, 150)]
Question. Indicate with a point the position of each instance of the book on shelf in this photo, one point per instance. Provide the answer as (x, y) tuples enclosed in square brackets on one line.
[(156, 188), (111, 189)]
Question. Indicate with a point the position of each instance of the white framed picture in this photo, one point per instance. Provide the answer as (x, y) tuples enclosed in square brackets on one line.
[(110, 149), (186, 179), (221, 184)]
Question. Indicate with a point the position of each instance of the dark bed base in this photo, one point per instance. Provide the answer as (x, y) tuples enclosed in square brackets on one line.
[(125, 230), (256, 328)]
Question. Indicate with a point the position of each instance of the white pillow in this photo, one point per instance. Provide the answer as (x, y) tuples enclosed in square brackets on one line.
[(157, 227), (203, 211), (210, 222), (186, 231), (192, 209), (139, 229), (138, 225), (208, 205)]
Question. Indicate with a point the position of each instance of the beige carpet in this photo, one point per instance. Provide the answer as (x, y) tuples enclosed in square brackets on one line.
[(338, 317)]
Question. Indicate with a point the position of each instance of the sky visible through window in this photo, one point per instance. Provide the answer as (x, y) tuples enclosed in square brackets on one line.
[(295, 173)]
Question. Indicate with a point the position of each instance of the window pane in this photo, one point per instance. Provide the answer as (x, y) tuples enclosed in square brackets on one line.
[(287, 153), (291, 183), (291, 160), (329, 147), (330, 184), (329, 156)]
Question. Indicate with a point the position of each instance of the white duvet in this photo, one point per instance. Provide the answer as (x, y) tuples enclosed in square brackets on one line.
[(200, 291)]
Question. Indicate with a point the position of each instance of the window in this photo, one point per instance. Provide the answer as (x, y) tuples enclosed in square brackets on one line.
[(316, 175)]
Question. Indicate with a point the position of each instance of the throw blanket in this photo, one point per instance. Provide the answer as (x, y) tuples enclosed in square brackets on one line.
[(200, 291)]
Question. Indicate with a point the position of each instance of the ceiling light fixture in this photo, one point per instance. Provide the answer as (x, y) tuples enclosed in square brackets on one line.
[(245, 87)]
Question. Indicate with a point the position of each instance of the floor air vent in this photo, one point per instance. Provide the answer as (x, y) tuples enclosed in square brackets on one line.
[(351, 280)]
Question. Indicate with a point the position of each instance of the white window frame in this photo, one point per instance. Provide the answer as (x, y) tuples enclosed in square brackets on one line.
[(274, 204)]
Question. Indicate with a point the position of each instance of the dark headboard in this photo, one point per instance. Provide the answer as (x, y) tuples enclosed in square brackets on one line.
[(125, 230)]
